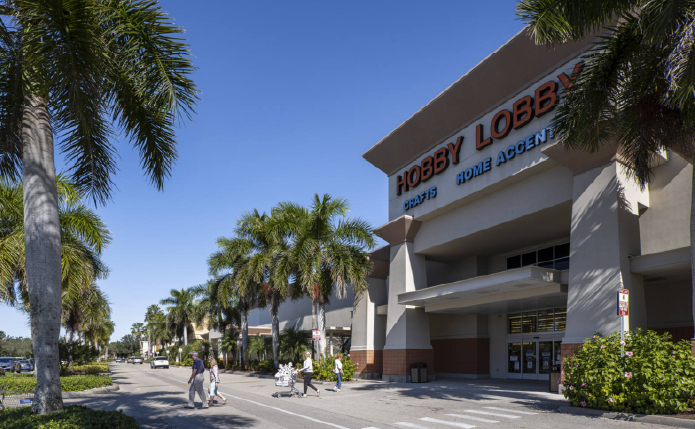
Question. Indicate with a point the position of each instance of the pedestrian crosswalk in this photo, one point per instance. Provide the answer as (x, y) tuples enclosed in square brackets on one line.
[(468, 419)]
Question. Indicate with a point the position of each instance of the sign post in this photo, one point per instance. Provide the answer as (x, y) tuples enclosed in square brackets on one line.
[(623, 310), (180, 350)]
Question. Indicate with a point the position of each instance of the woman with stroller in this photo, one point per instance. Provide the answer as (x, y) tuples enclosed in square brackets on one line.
[(308, 371)]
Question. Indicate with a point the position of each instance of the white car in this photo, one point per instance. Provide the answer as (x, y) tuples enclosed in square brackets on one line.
[(137, 359), (159, 362)]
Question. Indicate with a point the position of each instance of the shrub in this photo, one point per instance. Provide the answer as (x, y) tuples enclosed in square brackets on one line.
[(92, 368), (68, 383), (74, 417), (76, 353), (266, 366), (655, 376), (323, 368), (187, 362)]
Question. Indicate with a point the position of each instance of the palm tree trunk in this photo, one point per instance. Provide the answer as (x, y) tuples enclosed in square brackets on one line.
[(42, 250), (322, 324), (185, 334), (244, 331), (275, 326)]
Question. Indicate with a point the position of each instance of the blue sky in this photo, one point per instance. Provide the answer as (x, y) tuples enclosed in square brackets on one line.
[(292, 94)]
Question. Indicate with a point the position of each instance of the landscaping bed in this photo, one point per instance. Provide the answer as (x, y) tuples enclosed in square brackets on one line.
[(68, 383), (74, 417), (92, 368)]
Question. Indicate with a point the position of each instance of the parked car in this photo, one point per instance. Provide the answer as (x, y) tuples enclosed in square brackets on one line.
[(120, 360), (22, 365), (7, 363), (159, 362), (137, 359), (129, 360)]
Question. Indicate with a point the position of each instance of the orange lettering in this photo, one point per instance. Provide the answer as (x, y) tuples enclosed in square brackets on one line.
[(523, 111), (494, 125), (414, 182), (441, 160), (546, 98), (401, 183), (479, 142), (454, 149), (426, 168)]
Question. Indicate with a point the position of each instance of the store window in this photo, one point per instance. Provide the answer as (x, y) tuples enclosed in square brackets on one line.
[(514, 324), (553, 257), (546, 320)]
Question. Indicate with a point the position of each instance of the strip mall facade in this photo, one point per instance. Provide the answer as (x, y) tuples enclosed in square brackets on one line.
[(504, 250)]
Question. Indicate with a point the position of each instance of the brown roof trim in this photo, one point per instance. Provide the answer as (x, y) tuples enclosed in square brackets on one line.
[(505, 72)]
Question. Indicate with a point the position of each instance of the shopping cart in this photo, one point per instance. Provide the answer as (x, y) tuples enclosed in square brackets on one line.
[(287, 380)]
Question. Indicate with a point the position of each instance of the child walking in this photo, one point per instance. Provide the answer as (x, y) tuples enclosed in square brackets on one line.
[(338, 371), (215, 381)]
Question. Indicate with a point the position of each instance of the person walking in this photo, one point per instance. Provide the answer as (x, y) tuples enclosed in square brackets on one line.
[(197, 379), (215, 381), (338, 371), (308, 371)]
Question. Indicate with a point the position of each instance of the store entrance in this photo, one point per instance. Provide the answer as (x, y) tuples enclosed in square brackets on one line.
[(532, 359)]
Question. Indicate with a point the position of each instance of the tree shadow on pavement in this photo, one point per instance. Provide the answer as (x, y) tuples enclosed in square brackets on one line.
[(532, 395), (166, 410)]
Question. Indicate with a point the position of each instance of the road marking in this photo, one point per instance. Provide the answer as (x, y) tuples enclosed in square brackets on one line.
[(444, 422), (511, 411), (411, 425), (477, 419), (273, 408), (492, 414)]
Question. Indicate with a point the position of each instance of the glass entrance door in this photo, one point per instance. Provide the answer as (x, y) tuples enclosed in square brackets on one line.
[(531, 359), (530, 366)]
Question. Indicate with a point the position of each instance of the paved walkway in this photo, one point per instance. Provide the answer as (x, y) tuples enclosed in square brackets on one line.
[(157, 399)]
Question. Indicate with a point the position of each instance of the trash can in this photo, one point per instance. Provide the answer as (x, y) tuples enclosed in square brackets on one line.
[(554, 378), (418, 372)]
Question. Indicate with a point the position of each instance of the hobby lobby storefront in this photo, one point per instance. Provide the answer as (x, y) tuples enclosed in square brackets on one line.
[(504, 250)]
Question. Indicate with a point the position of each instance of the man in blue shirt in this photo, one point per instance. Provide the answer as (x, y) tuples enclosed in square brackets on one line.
[(197, 379)]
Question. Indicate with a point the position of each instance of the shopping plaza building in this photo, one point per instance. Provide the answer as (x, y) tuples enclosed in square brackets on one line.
[(505, 251)]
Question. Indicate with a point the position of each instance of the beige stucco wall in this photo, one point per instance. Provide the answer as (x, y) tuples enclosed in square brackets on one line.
[(665, 225)]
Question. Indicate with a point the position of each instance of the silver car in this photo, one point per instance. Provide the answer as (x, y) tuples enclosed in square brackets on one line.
[(6, 363), (137, 359)]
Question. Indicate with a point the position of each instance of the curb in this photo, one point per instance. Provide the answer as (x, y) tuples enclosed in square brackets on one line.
[(97, 390), (641, 418)]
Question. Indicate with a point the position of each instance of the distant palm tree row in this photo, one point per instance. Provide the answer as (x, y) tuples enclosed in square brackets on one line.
[(293, 252)]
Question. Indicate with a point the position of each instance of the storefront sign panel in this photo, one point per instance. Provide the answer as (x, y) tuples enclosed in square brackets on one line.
[(491, 149)]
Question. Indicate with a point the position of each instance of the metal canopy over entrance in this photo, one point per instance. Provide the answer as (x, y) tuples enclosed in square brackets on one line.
[(516, 284)]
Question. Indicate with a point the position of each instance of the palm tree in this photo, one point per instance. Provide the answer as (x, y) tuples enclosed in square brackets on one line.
[(258, 346), (329, 254), (83, 238), (268, 264), (225, 265), (150, 317), (637, 87), (79, 67), (293, 343), (162, 332), (181, 310), (229, 342), (136, 330)]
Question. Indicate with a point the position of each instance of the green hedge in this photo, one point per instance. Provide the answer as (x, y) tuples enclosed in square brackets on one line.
[(656, 376), (92, 368), (74, 417), (68, 383)]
